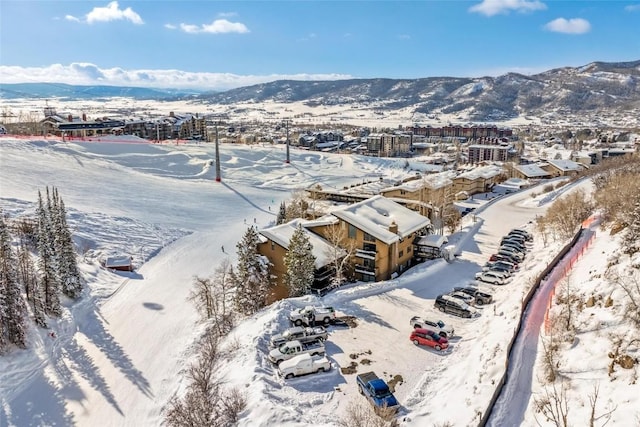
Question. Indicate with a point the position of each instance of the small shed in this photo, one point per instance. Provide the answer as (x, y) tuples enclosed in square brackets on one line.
[(120, 263), (429, 246)]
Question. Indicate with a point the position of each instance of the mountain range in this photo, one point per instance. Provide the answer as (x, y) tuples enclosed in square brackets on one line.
[(595, 89)]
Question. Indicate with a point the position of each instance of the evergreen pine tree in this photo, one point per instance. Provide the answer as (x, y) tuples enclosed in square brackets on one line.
[(46, 262), (300, 263), (282, 214), (251, 276), (28, 277), (14, 311), (69, 276)]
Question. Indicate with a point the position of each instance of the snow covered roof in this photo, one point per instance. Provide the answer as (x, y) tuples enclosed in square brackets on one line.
[(281, 234), (532, 171), (117, 261), (565, 165), (488, 171), (433, 240), (375, 215)]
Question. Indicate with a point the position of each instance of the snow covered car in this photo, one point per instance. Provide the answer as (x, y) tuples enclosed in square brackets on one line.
[(302, 365), (480, 296), (502, 264), (469, 299), (310, 315), (432, 324), (491, 277), (299, 333), (428, 338)]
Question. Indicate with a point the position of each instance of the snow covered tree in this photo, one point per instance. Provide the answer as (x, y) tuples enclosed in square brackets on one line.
[(47, 262), (297, 206), (28, 277), (631, 237), (68, 274), (13, 311), (282, 214), (300, 264), (251, 277)]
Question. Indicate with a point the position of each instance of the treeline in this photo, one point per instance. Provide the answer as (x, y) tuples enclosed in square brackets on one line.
[(38, 266)]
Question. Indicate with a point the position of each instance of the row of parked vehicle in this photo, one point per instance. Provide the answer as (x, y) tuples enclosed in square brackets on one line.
[(299, 350), (505, 262)]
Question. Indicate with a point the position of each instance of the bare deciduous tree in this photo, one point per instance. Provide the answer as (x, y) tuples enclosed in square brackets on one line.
[(360, 414), (593, 401), (341, 249), (553, 404), (213, 298)]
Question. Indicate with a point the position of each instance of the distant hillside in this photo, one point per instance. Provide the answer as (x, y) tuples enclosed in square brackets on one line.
[(61, 90), (596, 90), (595, 87)]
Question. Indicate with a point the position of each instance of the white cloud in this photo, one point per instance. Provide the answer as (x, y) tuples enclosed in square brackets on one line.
[(632, 8), (569, 26), (170, 26), (219, 26), (71, 18), (113, 13), (495, 7), (89, 74), (227, 14), (404, 37)]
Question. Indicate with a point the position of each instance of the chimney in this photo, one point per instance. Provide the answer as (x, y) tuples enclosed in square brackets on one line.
[(171, 114), (84, 117), (70, 117), (393, 227)]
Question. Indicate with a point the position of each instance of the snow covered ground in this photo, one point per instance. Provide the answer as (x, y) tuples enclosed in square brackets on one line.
[(119, 352)]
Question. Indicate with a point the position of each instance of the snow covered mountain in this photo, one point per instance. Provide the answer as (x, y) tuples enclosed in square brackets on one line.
[(585, 93)]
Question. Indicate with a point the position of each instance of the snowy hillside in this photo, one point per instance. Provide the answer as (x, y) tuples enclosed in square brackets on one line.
[(120, 352)]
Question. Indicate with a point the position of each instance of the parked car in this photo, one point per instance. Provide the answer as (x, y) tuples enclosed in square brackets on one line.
[(514, 248), (521, 232), (491, 277), (521, 240), (469, 299), (480, 296), (448, 304), (293, 348), (519, 246), (299, 333), (303, 364), (503, 257), (376, 391), (310, 315), (511, 267), (428, 338), (511, 253), (505, 271), (432, 324)]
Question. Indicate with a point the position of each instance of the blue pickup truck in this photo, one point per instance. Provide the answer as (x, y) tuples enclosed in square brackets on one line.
[(376, 391)]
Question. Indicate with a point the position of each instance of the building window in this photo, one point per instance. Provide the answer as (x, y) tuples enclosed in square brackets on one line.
[(400, 254), (273, 247), (369, 238), (352, 232)]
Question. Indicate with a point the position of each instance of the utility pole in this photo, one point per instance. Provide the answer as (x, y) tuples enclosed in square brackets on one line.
[(218, 177)]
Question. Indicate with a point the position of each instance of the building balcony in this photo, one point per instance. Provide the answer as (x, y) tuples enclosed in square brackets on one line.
[(365, 270), (361, 253)]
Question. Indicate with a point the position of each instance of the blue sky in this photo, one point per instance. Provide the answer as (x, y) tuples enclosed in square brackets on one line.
[(221, 44)]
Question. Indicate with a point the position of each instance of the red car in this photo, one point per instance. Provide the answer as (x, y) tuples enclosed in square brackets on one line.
[(429, 338)]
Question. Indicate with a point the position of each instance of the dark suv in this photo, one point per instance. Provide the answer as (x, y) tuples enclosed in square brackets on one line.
[(451, 305)]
